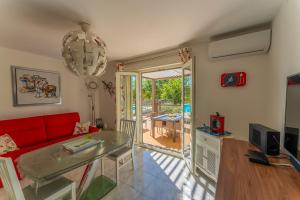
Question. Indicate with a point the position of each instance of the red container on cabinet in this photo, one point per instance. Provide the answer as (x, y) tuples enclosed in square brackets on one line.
[(217, 123)]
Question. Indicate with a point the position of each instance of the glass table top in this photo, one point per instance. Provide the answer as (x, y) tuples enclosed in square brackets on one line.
[(54, 160)]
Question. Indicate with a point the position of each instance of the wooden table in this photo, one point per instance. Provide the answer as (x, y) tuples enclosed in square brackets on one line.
[(166, 118), (240, 179)]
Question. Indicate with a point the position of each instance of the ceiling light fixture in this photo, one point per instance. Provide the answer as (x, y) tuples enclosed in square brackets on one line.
[(84, 52), (85, 55)]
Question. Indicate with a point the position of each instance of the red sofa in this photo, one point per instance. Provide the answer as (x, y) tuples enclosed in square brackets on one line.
[(37, 132)]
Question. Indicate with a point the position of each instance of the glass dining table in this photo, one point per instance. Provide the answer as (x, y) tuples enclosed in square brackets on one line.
[(46, 164)]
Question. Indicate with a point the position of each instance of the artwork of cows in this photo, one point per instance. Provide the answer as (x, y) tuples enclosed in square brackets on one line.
[(33, 86), (37, 85)]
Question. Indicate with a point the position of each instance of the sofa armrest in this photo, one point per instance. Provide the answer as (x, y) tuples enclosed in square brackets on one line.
[(93, 129)]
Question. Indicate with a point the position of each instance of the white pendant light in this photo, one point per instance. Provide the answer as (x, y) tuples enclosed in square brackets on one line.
[(84, 52)]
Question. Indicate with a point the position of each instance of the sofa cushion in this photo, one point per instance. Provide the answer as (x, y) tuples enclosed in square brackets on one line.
[(60, 125), (25, 131), (7, 144), (81, 127)]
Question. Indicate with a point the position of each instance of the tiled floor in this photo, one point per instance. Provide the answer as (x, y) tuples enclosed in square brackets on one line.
[(156, 176)]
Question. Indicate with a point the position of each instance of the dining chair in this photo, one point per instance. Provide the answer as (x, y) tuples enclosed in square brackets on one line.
[(59, 188), (124, 155)]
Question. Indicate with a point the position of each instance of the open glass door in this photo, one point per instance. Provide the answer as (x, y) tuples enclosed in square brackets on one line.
[(187, 113), (128, 98)]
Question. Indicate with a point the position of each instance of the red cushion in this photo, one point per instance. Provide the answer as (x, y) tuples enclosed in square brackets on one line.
[(25, 131), (93, 129), (60, 125)]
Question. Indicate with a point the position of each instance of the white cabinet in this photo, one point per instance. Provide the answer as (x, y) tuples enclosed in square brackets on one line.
[(208, 151)]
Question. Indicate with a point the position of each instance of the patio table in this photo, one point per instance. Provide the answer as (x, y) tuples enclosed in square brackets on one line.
[(166, 118), (46, 164)]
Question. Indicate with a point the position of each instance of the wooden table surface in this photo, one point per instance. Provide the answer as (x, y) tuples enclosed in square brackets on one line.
[(240, 179)]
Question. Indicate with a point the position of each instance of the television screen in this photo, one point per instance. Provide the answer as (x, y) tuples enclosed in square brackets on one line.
[(292, 116)]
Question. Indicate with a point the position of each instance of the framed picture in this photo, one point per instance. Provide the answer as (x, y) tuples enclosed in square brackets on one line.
[(35, 87)]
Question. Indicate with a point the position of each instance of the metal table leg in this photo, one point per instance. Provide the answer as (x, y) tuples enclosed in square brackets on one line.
[(87, 177)]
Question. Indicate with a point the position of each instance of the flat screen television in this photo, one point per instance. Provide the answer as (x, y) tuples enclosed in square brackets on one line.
[(292, 119)]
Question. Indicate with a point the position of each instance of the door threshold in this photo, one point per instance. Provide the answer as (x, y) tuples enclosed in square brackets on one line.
[(161, 150)]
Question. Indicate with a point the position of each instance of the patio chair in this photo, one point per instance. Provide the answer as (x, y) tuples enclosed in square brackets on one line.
[(123, 156), (159, 125), (169, 127), (59, 188), (178, 126)]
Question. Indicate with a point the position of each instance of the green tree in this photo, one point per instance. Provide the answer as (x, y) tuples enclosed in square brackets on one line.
[(146, 89), (159, 87), (171, 90)]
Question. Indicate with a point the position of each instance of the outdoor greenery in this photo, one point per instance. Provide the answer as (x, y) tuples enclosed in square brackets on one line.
[(168, 93), (170, 108), (146, 89), (168, 90)]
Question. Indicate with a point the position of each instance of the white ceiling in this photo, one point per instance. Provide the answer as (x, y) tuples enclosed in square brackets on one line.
[(129, 27)]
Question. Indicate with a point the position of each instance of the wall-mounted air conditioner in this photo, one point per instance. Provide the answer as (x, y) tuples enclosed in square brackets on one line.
[(251, 43)]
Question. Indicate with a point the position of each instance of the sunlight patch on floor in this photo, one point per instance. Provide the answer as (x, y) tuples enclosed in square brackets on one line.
[(177, 172)]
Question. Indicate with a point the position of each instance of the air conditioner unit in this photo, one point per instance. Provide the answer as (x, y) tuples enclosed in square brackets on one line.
[(251, 43)]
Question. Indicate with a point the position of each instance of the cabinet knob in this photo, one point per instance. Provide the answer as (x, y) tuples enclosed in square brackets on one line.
[(205, 139)]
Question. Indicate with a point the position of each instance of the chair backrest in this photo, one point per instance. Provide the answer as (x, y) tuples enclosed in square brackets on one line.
[(169, 124), (128, 127), (10, 180), (158, 123)]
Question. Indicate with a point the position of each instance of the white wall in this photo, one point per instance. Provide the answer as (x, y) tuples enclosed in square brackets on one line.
[(239, 105), (74, 94), (107, 107), (284, 58)]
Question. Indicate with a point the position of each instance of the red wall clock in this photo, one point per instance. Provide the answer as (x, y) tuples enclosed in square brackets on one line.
[(235, 79)]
